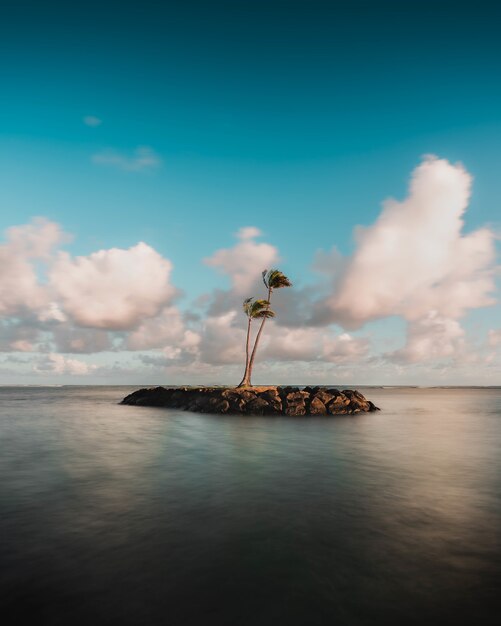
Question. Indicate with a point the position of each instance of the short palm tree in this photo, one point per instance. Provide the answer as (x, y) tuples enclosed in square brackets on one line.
[(254, 309), (273, 279)]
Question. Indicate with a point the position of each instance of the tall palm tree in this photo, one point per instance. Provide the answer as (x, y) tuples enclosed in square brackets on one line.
[(273, 279), (254, 309)]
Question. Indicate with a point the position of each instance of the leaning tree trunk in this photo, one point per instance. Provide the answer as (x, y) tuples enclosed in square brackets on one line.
[(246, 379), (258, 337)]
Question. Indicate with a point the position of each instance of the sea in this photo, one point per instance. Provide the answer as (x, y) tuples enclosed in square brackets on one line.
[(128, 515)]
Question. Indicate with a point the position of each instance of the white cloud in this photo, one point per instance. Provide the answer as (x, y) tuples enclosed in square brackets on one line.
[(114, 288), (143, 158), (25, 246), (167, 331), (52, 313), (248, 232), (21, 345), (494, 339), (167, 328), (345, 348), (67, 338), (92, 120), (313, 344), (416, 262), (430, 338), (244, 262), (52, 301), (415, 259), (222, 342), (55, 363), (18, 335)]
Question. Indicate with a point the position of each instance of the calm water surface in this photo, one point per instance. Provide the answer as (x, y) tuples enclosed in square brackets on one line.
[(126, 515)]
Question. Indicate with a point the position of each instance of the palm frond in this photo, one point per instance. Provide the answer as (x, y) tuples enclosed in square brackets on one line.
[(247, 305), (266, 313), (275, 279), (258, 307), (253, 308)]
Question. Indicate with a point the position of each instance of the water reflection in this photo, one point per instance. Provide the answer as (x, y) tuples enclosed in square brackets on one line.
[(113, 513)]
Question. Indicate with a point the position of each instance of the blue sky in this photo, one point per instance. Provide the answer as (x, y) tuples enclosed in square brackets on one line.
[(297, 118)]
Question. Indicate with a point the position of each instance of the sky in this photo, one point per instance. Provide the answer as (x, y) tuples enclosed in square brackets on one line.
[(156, 157)]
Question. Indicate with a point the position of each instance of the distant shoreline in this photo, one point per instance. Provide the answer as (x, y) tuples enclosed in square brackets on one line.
[(66, 385)]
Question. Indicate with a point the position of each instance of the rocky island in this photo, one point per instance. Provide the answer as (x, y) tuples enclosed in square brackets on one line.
[(246, 399), (294, 401)]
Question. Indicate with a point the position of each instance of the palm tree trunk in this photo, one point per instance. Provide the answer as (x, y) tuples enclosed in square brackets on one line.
[(258, 337), (246, 379)]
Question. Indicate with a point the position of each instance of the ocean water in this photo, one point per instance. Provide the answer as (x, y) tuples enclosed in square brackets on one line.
[(125, 515)]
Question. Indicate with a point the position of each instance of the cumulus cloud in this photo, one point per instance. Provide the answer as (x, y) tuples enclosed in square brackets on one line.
[(314, 344), (53, 302), (222, 340), (92, 120), (52, 313), (167, 331), (416, 262), (167, 328), (114, 288), (16, 336), (288, 338), (70, 339), (55, 363), (494, 339), (143, 158), (244, 262), (294, 306), (430, 338), (20, 289), (415, 258)]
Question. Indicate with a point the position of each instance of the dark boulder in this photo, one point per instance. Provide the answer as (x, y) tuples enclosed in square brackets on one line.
[(295, 403), (291, 401), (273, 398), (324, 396), (317, 407), (259, 406)]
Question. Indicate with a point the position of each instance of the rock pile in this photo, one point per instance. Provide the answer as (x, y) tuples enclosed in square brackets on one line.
[(255, 400)]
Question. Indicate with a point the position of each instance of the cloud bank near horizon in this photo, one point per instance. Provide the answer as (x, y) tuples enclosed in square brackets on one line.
[(415, 262)]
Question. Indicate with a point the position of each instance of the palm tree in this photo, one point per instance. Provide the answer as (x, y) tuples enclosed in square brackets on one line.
[(254, 309), (273, 279)]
